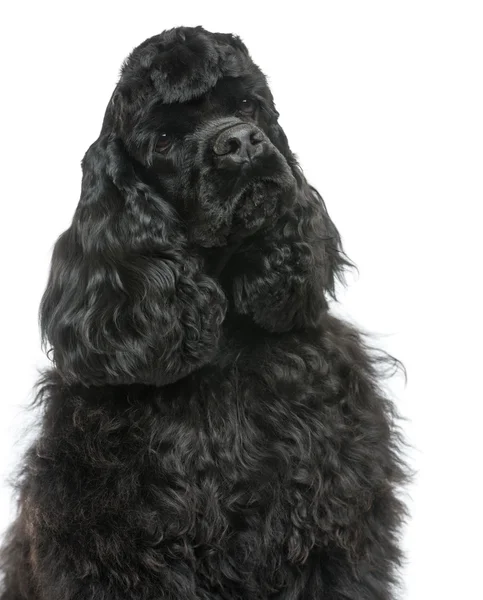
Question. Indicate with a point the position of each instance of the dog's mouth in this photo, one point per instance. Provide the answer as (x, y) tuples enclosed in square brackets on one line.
[(257, 208), (256, 200)]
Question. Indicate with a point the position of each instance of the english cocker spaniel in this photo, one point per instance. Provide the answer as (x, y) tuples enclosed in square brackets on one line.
[(210, 430)]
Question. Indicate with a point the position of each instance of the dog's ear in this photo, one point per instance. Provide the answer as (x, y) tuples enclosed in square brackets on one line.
[(317, 229), (312, 217), (126, 300)]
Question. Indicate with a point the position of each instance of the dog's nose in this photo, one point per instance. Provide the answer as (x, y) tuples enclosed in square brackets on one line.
[(239, 144)]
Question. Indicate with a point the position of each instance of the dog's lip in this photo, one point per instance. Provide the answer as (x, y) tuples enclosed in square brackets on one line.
[(251, 169), (240, 165)]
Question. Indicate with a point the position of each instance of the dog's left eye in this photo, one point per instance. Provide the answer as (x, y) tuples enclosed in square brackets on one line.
[(163, 142), (247, 106)]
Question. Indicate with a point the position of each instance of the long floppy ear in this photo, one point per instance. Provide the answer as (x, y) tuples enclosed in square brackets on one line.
[(316, 228), (126, 301), (313, 221), (284, 273)]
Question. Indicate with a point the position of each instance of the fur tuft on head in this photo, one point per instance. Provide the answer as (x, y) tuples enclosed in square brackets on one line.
[(183, 63)]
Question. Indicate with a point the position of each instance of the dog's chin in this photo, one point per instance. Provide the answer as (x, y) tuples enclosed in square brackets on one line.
[(257, 199)]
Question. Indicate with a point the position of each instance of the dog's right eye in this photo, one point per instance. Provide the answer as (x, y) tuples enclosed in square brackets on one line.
[(247, 106), (163, 142)]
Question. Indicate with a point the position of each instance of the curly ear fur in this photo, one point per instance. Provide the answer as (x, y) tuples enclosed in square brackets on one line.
[(126, 301), (293, 266)]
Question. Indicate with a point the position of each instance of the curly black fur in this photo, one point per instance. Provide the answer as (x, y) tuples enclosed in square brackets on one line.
[(209, 429)]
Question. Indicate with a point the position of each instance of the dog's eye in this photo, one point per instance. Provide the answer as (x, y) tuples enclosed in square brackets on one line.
[(247, 106), (163, 142)]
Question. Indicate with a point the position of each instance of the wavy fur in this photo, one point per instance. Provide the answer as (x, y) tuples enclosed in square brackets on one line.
[(209, 430)]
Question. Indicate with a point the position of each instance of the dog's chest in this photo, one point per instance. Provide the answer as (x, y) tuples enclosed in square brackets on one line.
[(242, 474)]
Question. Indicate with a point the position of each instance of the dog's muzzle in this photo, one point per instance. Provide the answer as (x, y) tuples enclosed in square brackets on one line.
[(239, 145)]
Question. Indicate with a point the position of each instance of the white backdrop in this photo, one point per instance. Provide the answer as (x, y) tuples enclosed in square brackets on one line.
[(383, 104)]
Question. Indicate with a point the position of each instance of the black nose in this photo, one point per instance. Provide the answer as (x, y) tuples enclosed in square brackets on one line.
[(239, 144)]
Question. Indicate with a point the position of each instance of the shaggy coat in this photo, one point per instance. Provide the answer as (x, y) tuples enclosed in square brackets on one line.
[(209, 430)]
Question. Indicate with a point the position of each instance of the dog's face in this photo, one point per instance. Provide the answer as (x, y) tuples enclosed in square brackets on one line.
[(212, 148)]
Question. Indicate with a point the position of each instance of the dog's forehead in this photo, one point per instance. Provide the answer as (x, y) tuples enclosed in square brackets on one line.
[(183, 63)]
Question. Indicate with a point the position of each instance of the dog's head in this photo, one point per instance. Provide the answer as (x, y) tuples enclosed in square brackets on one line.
[(190, 156), (194, 117)]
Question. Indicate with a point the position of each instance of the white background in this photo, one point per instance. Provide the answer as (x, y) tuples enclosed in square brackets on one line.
[(383, 104)]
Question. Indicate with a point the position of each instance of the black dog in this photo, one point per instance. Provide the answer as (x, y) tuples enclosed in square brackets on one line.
[(209, 429)]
